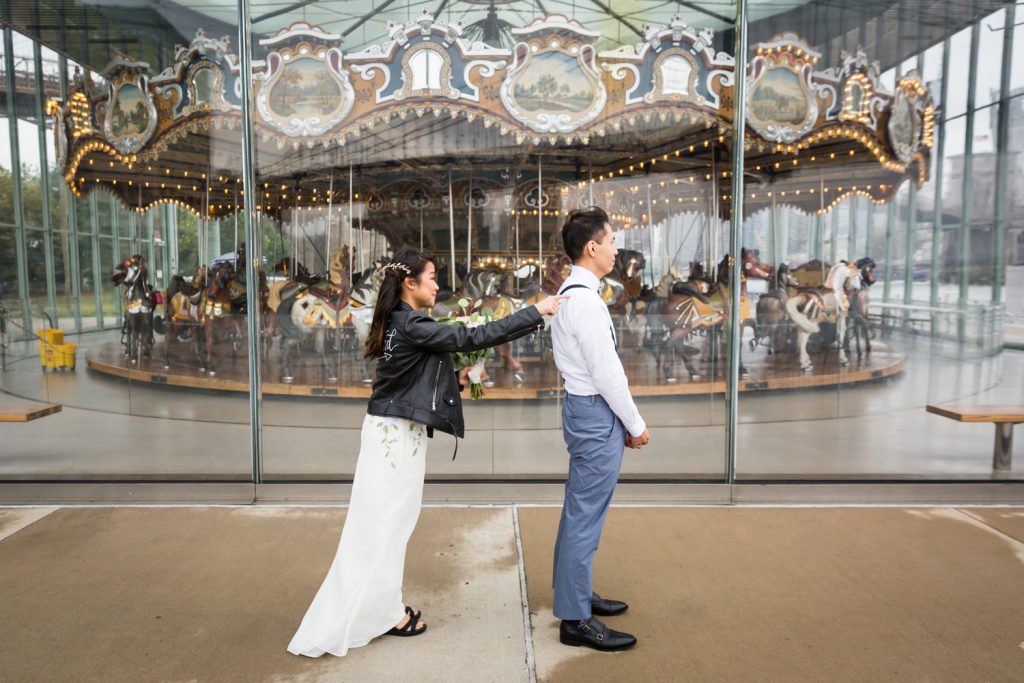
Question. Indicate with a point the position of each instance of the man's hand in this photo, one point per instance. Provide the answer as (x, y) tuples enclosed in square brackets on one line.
[(638, 441)]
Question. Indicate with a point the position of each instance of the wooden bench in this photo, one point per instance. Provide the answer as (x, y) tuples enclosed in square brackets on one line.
[(26, 412), (1003, 416)]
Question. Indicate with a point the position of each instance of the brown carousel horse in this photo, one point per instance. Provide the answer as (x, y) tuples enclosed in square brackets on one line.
[(182, 312), (217, 312), (773, 328), (694, 305), (140, 300)]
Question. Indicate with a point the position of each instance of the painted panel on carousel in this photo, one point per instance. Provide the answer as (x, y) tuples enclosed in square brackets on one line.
[(553, 85), (675, 63), (427, 58), (782, 103), (129, 115), (304, 91)]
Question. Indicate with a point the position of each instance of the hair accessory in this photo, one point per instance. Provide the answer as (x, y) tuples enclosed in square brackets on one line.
[(397, 267)]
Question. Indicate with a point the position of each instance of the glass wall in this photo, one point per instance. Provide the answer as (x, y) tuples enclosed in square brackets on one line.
[(436, 142), (932, 222), (62, 245), (880, 168)]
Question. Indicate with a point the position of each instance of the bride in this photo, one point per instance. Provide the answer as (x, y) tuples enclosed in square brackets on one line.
[(416, 392)]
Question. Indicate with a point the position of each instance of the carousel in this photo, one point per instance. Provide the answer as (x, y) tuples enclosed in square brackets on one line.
[(478, 153)]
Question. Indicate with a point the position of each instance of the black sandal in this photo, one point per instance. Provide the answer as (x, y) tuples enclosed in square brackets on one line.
[(409, 629)]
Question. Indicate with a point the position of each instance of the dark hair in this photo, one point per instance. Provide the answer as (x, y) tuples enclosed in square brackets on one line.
[(582, 226), (408, 262)]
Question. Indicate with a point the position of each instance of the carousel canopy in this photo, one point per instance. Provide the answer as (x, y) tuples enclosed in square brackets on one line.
[(428, 104)]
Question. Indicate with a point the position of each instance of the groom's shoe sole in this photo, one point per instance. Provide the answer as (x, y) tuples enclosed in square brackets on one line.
[(584, 643)]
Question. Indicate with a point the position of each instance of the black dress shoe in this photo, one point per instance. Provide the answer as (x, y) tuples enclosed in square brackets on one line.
[(606, 608), (594, 635)]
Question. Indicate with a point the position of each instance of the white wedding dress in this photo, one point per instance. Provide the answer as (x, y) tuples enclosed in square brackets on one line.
[(361, 598)]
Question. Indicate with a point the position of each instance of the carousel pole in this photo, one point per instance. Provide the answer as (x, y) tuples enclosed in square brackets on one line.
[(469, 226), (650, 233), (818, 238), (236, 218), (351, 243), (540, 216), (330, 203), (451, 229), (713, 226), (421, 228), (516, 214), (362, 251), (774, 229), (204, 247), (295, 228)]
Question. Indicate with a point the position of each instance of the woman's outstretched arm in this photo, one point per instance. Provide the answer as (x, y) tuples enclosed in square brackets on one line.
[(427, 332)]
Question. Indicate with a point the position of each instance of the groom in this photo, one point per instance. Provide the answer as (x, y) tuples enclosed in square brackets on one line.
[(599, 419)]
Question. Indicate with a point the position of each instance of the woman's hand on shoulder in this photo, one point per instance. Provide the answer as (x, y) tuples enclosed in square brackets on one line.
[(549, 305)]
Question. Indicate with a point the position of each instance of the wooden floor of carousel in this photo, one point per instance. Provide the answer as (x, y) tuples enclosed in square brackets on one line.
[(539, 379)]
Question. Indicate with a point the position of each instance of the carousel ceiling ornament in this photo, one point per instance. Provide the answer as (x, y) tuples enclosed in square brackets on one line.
[(148, 139), (674, 64)]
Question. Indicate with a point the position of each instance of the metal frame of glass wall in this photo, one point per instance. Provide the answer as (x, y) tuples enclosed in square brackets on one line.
[(139, 232)]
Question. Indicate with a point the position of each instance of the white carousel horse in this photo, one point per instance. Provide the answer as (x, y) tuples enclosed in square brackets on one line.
[(312, 305), (809, 307)]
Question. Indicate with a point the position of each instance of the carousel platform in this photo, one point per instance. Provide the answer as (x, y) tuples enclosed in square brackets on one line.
[(539, 379)]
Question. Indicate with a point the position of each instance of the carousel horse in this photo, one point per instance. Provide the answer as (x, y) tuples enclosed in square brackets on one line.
[(485, 289), (217, 312), (829, 304), (140, 301), (238, 286), (298, 277), (773, 326), (694, 305), (314, 309), (182, 312)]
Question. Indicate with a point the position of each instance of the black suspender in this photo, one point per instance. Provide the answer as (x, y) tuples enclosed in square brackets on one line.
[(573, 287), (615, 340)]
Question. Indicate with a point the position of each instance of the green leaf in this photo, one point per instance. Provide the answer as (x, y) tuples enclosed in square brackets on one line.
[(488, 312), (463, 303), (477, 303)]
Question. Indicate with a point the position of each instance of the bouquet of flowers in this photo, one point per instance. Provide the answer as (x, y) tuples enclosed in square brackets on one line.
[(471, 316)]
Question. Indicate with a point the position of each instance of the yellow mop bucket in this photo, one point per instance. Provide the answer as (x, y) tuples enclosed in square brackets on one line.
[(53, 352)]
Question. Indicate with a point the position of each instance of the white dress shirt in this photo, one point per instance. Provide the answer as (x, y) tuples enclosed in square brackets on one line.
[(583, 338)]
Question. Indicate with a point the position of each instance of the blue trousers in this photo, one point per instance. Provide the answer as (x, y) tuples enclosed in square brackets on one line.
[(596, 439)]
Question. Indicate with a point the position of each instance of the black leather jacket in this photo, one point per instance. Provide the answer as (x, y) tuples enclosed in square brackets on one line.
[(416, 378)]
